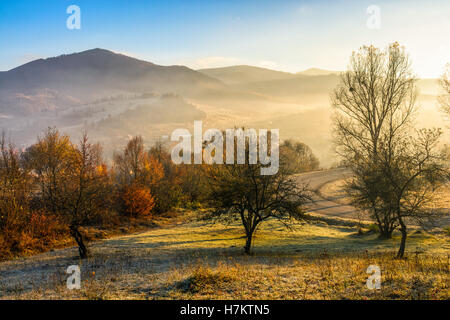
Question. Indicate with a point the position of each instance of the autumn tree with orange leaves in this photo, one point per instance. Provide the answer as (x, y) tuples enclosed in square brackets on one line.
[(138, 201), (138, 176)]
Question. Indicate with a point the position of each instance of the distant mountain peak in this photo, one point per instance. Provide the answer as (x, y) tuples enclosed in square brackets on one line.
[(97, 50), (245, 73), (96, 53), (317, 72), (98, 72)]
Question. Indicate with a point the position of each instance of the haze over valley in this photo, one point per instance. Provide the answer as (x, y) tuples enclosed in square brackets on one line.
[(114, 97)]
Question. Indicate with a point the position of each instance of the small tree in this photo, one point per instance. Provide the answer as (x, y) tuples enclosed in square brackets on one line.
[(51, 160), (15, 186), (444, 99), (240, 192), (90, 190), (72, 180), (369, 188), (301, 157), (137, 200), (413, 170)]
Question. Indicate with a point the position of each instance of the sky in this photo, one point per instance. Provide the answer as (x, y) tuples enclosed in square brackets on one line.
[(283, 35)]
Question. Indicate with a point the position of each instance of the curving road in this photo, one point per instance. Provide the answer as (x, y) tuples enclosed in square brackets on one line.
[(323, 206)]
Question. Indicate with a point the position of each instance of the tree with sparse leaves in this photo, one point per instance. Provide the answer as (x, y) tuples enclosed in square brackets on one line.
[(72, 181), (240, 192), (302, 158), (395, 171)]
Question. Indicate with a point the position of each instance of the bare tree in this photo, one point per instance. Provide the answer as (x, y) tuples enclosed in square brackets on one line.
[(392, 173), (240, 192), (131, 162), (413, 169), (89, 182), (375, 99), (375, 96)]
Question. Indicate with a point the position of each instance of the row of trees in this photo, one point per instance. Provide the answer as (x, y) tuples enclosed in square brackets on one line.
[(396, 168), (56, 179)]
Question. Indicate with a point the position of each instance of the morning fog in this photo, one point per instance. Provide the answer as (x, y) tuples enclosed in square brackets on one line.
[(239, 145)]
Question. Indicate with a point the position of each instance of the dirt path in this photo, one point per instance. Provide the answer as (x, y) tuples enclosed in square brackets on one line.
[(324, 206)]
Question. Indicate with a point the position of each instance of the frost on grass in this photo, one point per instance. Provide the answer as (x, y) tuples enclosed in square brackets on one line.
[(203, 261)]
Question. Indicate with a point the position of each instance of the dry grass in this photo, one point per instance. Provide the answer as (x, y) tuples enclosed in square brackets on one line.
[(323, 277), (201, 261), (53, 234)]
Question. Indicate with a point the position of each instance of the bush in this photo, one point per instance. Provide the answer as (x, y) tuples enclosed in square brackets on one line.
[(36, 232), (137, 201), (373, 228), (204, 279)]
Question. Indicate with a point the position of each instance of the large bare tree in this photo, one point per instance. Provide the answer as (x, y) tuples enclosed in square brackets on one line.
[(375, 104), (374, 99)]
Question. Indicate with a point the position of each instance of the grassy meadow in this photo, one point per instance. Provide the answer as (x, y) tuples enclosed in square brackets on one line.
[(191, 259)]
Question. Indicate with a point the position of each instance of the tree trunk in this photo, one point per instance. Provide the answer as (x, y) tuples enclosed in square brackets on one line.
[(385, 227), (248, 243), (83, 250), (401, 250), (385, 233)]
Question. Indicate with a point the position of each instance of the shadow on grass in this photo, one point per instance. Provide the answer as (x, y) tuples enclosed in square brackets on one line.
[(134, 254)]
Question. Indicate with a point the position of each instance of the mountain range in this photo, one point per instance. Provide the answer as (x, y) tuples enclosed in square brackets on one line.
[(115, 96)]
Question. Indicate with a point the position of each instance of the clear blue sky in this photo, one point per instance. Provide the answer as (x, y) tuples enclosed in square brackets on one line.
[(283, 35)]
